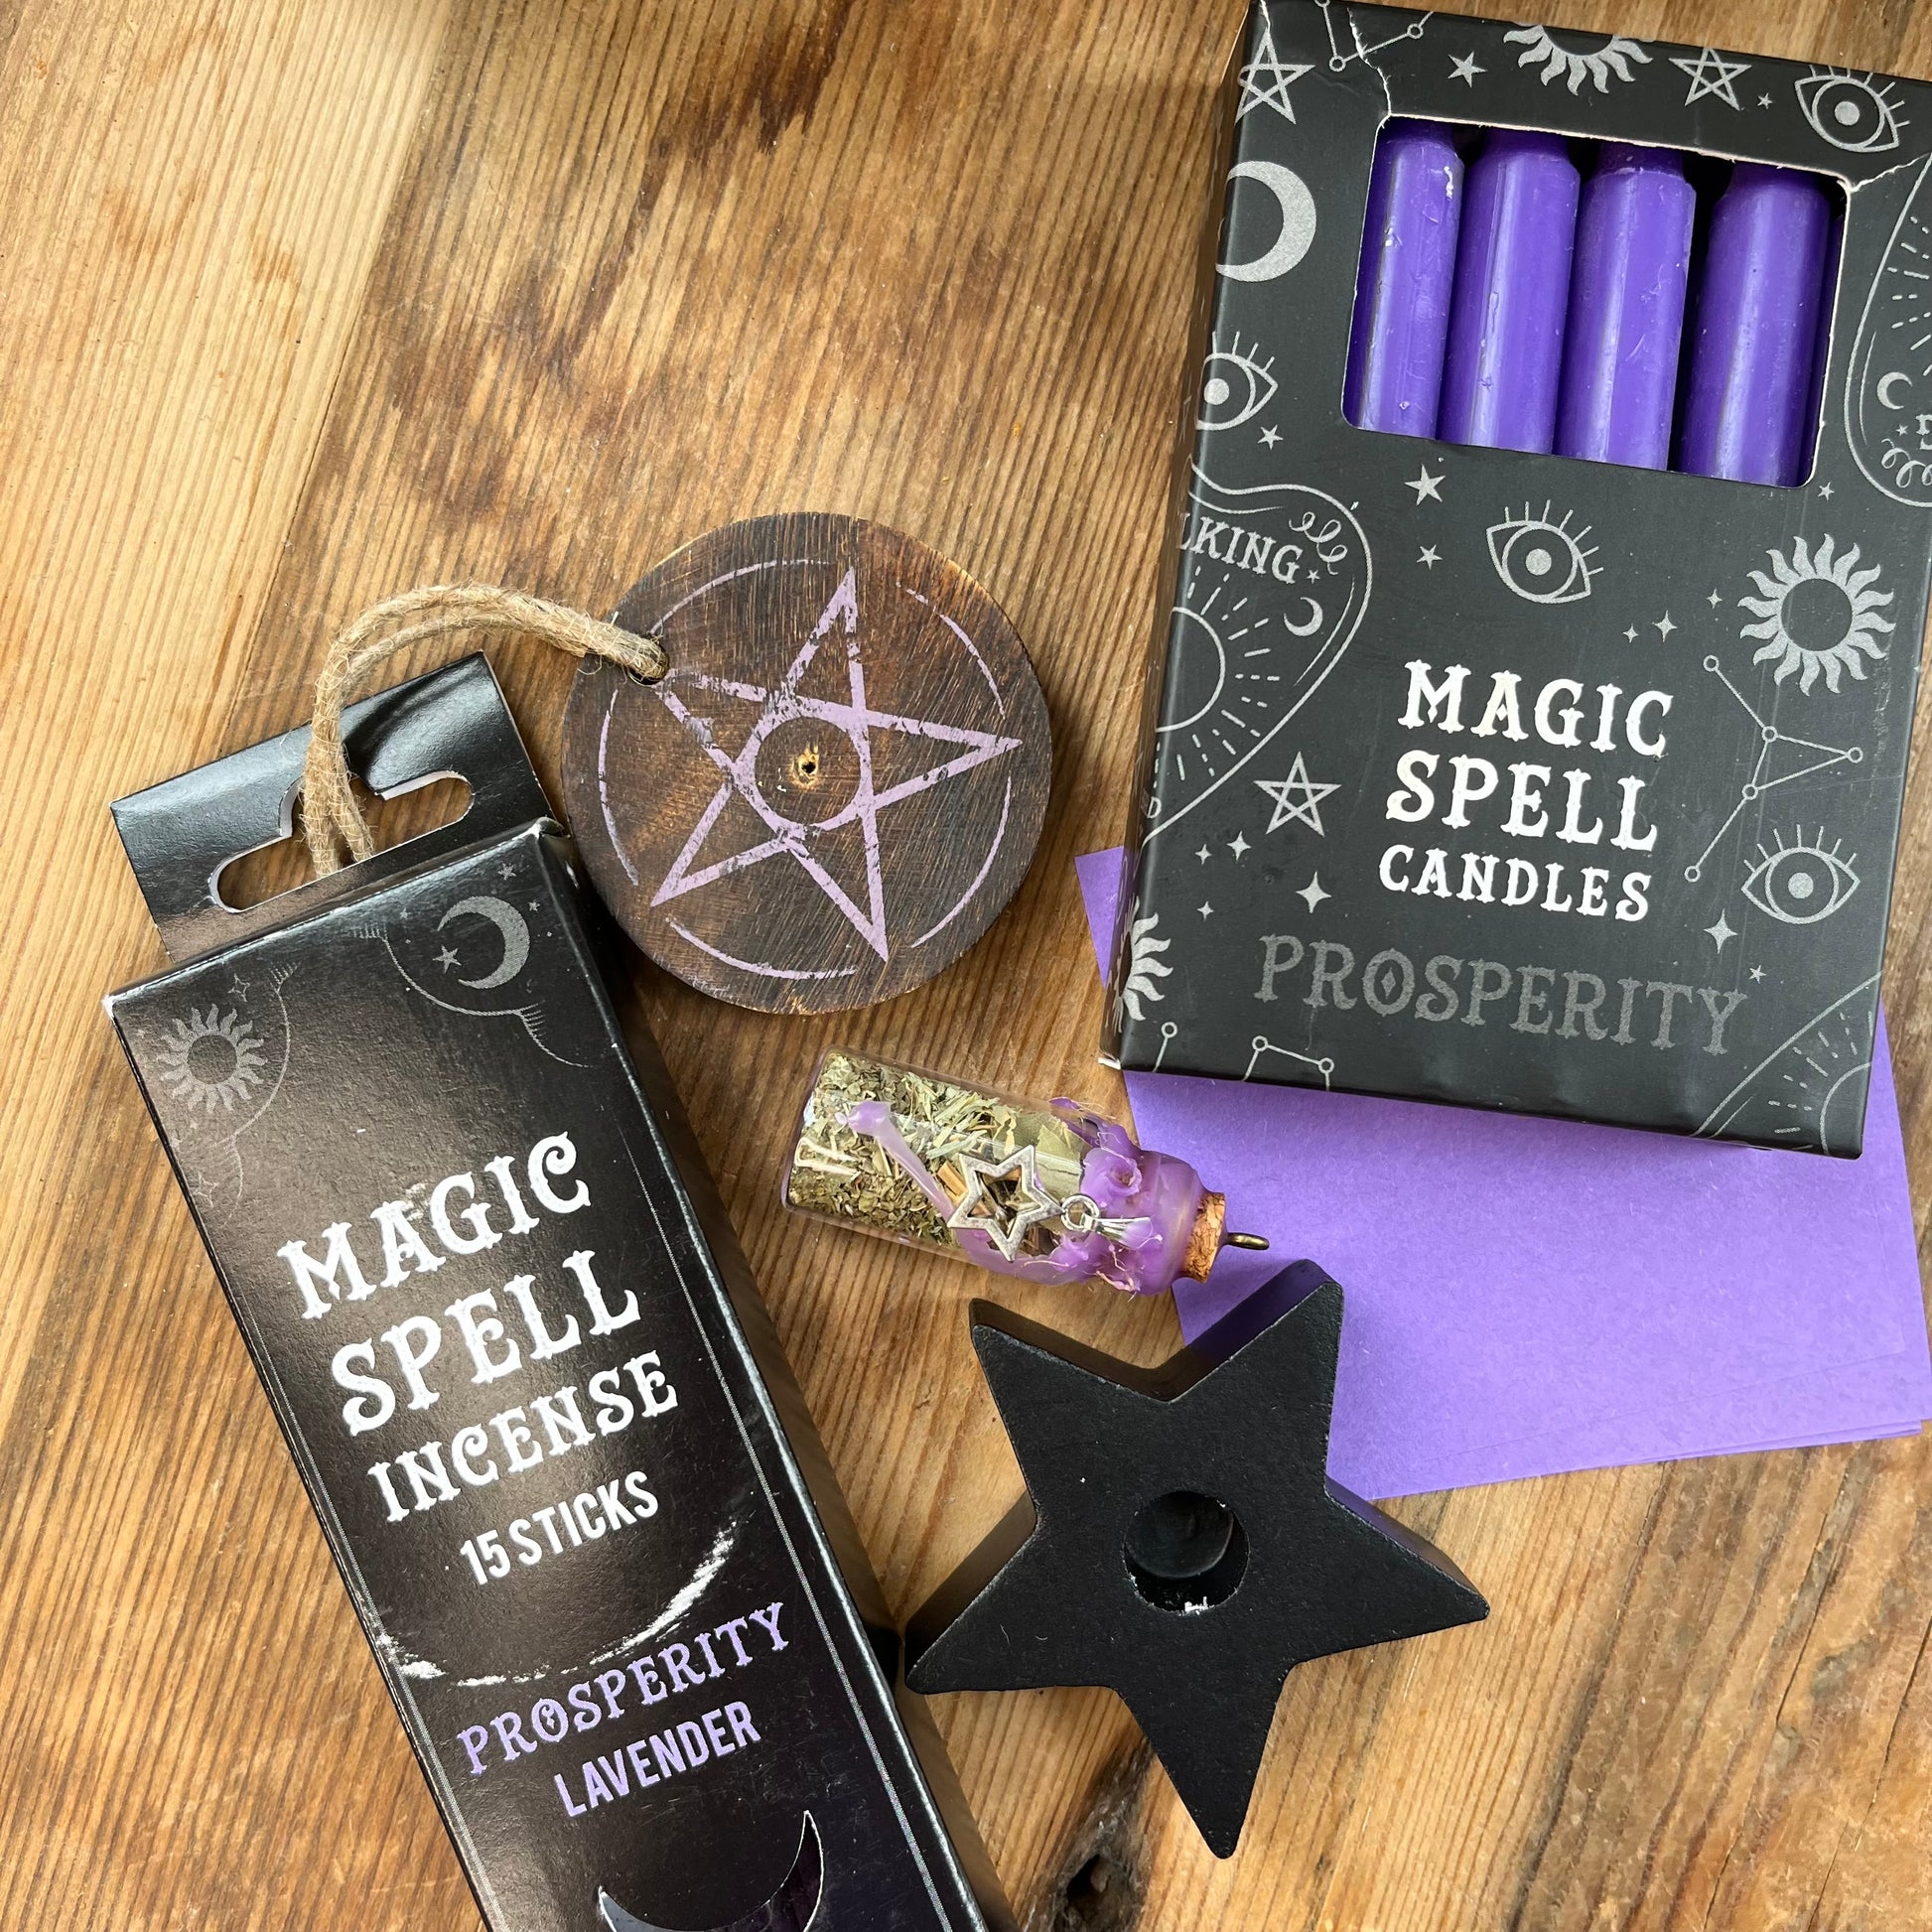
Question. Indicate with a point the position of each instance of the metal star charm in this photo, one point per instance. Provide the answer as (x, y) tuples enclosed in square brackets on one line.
[(1003, 1226), (1179, 1540)]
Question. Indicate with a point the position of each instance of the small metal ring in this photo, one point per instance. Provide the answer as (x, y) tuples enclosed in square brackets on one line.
[(1080, 1213)]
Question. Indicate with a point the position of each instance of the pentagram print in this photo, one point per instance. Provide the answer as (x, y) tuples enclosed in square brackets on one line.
[(837, 784)]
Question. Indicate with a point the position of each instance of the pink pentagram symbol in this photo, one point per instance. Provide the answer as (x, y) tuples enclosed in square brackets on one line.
[(840, 781)]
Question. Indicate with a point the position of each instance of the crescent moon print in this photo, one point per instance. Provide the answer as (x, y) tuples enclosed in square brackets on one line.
[(793, 1907), (220, 1067), (1292, 238), (1811, 1090), (1888, 388), (510, 922), (1274, 583), (478, 944)]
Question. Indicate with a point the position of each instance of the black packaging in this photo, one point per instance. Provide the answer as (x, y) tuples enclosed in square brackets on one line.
[(1721, 980), (563, 1469)]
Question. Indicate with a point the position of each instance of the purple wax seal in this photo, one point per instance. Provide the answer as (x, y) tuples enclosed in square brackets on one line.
[(1512, 288), (1626, 308), (1759, 317), (1408, 272)]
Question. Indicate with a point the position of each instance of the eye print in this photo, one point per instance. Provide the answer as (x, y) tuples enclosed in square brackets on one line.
[(1801, 884), (1852, 111), (1540, 561), (1234, 386)]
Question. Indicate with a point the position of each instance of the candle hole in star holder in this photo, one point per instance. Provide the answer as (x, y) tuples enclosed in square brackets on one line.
[(1187, 1552)]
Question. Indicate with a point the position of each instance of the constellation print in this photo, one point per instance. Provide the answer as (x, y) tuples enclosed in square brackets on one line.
[(1757, 784), (1168, 1031), (1262, 1044), (1359, 48)]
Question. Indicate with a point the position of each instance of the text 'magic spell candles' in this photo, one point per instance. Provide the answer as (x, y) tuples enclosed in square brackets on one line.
[(1478, 770)]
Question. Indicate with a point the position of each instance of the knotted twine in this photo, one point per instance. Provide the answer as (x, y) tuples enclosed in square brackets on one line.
[(331, 820)]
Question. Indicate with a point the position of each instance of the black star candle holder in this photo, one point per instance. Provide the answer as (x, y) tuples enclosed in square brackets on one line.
[(1179, 1540)]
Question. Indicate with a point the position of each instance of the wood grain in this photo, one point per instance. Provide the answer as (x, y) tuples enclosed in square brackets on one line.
[(310, 303)]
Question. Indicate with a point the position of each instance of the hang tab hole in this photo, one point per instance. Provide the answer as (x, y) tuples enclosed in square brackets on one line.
[(271, 869), (1186, 1552)]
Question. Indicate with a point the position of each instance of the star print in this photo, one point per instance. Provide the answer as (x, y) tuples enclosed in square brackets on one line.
[(1265, 81), (1825, 490), (1630, 635), (1429, 557), (505, 872), (1297, 797), (1312, 893), (1711, 76), (1204, 855), (1427, 487), (1271, 437), (1238, 845), (1722, 931), (1243, 1418), (445, 959), (1005, 1225), (1764, 101), (1204, 909), (1757, 974), (1663, 626), (1714, 598), (239, 987), (1465, 70), (857, 721)]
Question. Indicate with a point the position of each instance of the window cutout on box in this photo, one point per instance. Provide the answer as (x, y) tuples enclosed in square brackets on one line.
[(1601, 300), (271, 869)]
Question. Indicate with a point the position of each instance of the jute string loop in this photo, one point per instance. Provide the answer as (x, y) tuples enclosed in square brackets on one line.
[(333, 821)]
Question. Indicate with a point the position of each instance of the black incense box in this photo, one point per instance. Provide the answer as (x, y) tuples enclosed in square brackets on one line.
[(566, 1475), (1540, 633)]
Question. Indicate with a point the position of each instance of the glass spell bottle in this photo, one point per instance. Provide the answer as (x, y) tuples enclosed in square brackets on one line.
[(1048, 1190)]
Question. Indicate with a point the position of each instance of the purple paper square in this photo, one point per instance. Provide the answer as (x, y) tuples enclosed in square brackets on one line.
[(1528, 1295)]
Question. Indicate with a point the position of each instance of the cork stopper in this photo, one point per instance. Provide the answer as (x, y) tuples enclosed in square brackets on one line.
[(1210, 1228)]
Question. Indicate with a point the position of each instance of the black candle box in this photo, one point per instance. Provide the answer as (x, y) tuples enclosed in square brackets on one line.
[(1335, 601), (566, 1475)]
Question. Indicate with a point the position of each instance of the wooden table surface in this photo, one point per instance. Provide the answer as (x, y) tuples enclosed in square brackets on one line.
[(305, 302)]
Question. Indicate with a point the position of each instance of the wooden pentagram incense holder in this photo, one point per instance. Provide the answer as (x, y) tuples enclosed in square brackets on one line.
[(838, 784), (569, 1485)]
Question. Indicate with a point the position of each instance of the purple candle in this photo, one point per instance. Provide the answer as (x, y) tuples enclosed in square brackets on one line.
[(1748, 413), (1512, 287), (1408, 270), (1626, 308)]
